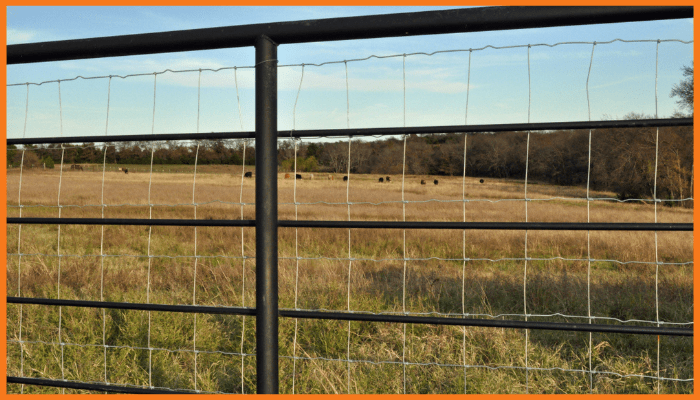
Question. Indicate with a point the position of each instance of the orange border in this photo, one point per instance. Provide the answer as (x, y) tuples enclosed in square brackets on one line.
[(696, 220), (3, 144), (3, 210)]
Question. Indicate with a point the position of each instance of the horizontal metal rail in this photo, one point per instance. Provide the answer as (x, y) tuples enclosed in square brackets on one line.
[(130, 221), (134, 306), (365, 27), (557, 326), (90, 386), (351, 316), (536, 226), (541, 226), (417, 130)]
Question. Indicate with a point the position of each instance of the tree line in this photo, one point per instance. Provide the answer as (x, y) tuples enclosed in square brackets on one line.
[(170, 153), (621, 160)]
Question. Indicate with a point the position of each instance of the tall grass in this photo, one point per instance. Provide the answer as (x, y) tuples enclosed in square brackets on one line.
[(623, 285)]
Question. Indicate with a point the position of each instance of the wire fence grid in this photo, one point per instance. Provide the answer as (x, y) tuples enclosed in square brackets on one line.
[(205, 349)]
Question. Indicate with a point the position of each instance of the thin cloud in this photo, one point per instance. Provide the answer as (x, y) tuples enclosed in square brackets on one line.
[(336, 81), (621, 81), (15, 36)]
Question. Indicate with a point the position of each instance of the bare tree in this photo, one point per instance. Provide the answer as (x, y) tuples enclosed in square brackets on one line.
[(335, 156), (684, 91), (360, 156)]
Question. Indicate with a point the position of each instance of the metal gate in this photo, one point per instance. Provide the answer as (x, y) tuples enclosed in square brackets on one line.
[(266, 38)]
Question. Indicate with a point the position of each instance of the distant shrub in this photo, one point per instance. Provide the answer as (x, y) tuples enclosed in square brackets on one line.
[(48, 162)]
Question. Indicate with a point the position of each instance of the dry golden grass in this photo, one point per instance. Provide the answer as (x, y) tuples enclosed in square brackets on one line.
[(435, 279), (492, 201)]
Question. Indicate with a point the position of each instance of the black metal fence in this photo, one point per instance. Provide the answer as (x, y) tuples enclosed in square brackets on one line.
[(265, 38)]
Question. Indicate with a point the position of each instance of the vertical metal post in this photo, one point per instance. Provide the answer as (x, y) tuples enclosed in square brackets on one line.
[(266, 215)]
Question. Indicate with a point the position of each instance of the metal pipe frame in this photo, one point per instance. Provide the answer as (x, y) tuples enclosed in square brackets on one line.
[(265, 38), (90, 386), (487, 128), (266, 289), (541, 226), (479, 19), (366, 317), (112, 305)]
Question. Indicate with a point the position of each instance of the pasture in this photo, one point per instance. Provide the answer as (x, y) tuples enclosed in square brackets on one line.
[(316, 272)]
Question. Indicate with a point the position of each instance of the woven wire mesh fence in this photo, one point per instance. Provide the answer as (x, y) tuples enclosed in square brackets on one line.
[(120, 280)]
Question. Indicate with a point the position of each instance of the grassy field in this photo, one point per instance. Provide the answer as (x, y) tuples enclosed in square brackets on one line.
[(492, 283)]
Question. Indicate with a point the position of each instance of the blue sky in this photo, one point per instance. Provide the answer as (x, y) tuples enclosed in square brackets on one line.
[(622, 78)]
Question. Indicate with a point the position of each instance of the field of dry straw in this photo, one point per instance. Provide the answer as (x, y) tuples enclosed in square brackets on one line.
[(138, 348)]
